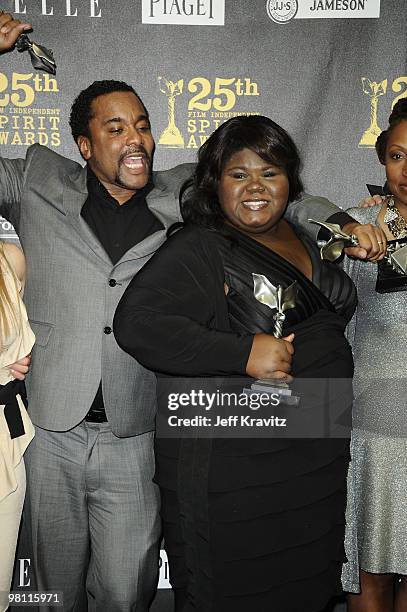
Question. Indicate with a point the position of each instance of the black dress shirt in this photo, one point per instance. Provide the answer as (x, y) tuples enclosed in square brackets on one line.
[(118, 227)]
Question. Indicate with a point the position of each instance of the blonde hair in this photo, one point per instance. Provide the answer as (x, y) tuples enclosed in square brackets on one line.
[(8, 310)]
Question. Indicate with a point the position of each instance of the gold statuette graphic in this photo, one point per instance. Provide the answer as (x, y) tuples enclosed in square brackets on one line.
[(171, 136), (373, 90)]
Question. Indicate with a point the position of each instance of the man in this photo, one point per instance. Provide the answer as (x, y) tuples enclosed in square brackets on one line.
[(92, 507)]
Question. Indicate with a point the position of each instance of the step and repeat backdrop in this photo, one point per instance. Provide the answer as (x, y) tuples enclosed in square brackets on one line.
[(328, 71)]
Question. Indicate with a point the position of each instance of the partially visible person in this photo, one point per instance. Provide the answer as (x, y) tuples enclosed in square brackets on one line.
[(249, 524), (377, 511), (16, 429)]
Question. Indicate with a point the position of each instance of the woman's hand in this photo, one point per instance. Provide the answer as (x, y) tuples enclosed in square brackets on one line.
[(271, 357), (370, 201), (20, 368), (10, 30), (371, 238)]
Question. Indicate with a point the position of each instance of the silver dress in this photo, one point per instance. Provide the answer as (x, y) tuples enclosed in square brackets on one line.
[(376, 535)]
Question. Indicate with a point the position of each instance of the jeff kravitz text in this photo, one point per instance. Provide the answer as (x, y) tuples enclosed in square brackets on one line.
[(233, 420)]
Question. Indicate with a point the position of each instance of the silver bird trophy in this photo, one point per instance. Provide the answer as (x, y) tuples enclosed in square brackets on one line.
[(41, 57), (280, 300), (332, 249), (392, 270)]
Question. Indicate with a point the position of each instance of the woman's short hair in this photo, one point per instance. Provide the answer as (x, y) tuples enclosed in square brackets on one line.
[(398, 114), (199, 195)]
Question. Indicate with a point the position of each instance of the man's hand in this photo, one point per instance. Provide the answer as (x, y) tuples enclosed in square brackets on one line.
[(372, 241), (20, 368), (271, 357), (10, 30), (370, 201)]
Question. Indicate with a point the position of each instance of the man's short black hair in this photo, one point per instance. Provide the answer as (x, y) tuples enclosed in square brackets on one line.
[(81, 112)]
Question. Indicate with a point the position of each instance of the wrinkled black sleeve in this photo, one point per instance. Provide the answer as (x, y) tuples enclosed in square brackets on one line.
[(173, 318)]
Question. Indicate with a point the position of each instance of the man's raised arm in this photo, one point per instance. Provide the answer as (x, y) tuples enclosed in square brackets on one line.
[(11, 170)]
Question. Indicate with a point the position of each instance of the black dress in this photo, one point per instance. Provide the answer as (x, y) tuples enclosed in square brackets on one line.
[(249, 524)]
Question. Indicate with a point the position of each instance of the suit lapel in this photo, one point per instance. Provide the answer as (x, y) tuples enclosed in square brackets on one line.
[(160, 201), (164, 205), (74, 197)]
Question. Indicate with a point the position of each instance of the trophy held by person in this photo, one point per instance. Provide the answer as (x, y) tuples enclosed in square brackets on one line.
[(41, 57), (392, 270), (278, 299)]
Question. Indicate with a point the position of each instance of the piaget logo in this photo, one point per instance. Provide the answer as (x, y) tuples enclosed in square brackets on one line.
[(24, 118), (283, 11), (210, 103), (185, 12)]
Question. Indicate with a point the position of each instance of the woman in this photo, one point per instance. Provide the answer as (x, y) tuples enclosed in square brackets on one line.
[(377, 514), (16, 429), (248, 523)]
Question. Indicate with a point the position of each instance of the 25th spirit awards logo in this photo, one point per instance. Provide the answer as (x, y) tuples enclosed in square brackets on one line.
[(375, 90), (26, 115), (209, 102)]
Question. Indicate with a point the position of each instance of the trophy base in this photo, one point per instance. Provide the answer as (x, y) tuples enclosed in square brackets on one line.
[(172, 138), (369, 138), (390, 282), (273, 386), (392, 276)]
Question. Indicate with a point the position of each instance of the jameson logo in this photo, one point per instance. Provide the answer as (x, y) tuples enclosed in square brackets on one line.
[(210, 102), (67, 8), (338, 9), (186, 12), (282, 11), (338, 5)]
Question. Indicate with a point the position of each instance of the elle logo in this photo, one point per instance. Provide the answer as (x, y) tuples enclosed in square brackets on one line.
[(23, 572), (71, 7)]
